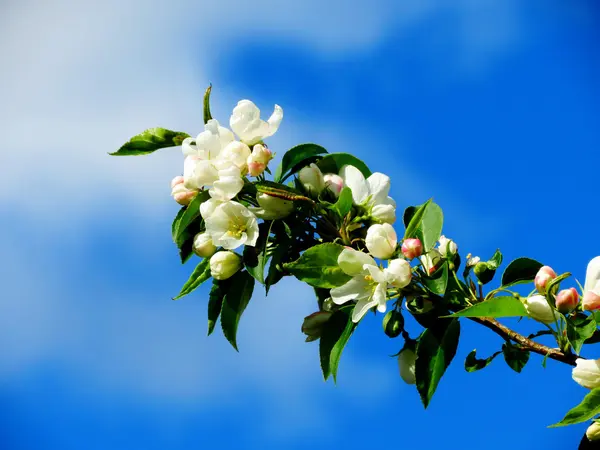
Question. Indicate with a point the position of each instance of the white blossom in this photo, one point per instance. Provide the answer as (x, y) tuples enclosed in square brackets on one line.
[(381, 240), (230, 224), (587, 372), (538, 308), (245, 121), (372, 193), (224, 265), (591, 289)]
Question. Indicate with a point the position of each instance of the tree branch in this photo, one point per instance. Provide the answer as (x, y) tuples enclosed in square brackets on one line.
[(507, 333)]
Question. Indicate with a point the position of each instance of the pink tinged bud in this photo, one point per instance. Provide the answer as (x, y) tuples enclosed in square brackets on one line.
[(256, 168), (176, 181), (566, 300), (543, 277), (180, 193), (334, 183), (591, 301), (412, 248)]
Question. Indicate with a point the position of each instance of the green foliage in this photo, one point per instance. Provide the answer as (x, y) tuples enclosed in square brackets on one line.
[(344, 203), (334, 162), (235, 301), (521, 270), (504, 306), (200, 274), (413, 217), (473, 364), (586, 410), (393, 323), (579, 329), (151, 140), (215, 302), (186, 216), (296, 158), (206, 105), (436, 348), (335, 335), (515, 356), (425, 223), (256, 258), (318, 266), (281, 250), (438, 281)]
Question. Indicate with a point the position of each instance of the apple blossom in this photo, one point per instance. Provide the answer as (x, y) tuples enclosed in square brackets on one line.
[(381, 240), (238, 153), (567, 300), (398, 273), (334, 183), (231, 224), (311, 178), (587, 372), (203, 245), (258, 160), (412, 248), (209, 143), (224, 264), (543, 277), (406, 362), (180, 193), (245, 121), (447, 246), (271, 208), (591, 289), (472, 261), (538, 309), (431, 261), (371, 193), (228, 184)]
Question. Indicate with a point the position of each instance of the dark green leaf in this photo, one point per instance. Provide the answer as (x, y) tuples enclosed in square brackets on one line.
[(279, 254), (235, 302), (335, 335), (334, 162), (215, 302), (189, 215), (393, 323), (296, 158), (175, 225), (318, 266), (151, 140), (256, 258), (200, 275), (507, 306), (206, 105), (586, 410), (436, 348), (438, 281), (579, 329), (413, 217), (521, 270), (344, 202), (473, 364), (515, 356), (425, 223)]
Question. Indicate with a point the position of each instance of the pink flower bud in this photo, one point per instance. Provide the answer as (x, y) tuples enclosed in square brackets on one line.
[(566, 300), (176, 181), (334, 183), (256, 168), (412, 248), (543, 277), (180, 193), (591, 301)]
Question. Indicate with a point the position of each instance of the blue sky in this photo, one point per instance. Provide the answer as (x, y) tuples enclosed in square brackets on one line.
[(490, 107)]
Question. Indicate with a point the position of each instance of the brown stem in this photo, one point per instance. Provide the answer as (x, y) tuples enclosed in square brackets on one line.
[(528, 344)]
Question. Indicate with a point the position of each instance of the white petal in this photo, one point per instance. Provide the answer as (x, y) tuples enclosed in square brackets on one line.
[(352, 261), (354, 179), (252, 232), (380, 297), (225, 136), (592, 274), (208, 207), (188, 147), (275, 120), (361, 308), (208, 142), (379, 187), (226, 188), (384, 213), (375, 272), (356, 288)]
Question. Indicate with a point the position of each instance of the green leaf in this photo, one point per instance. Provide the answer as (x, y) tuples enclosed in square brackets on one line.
[(521, 270), (336, 333), (279, 253), (473, 364), (579, 329), (200, 275), (318, 266), (186, 249), (344, 203), (515, 356), (296, 158), (334, 162), (151, 140), (496, 260), (412, 220), (188, 216), (586, 410), (438, 281), (436, 348), (206, 105), (256, 258), (235, 302), (175, 225), (215, 302), (506, 306)]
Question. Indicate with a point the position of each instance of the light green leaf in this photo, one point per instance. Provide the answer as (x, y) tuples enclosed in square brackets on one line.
[(151, 140), (586, 410), (235, 302), (436, 348), (200, 275), (473, 364), (344, 202), (215, 302), (336, 333), (507, 306), (318, 266), (579, 329), (496, 260), (412, 220), (521, 270), (425, 223), (296, 158), (334, 162), (206, 105)]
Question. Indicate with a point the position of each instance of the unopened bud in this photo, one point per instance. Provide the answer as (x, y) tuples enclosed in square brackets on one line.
[(543, 277), (484, 272), (381, 240), (590, 301), (203, 245), (311, 178), (271, 208), (313, 324), (180, 193), (406, 363), (567, 300), (393, 323), (587, 372), (431, 261), (593, 432), (334, 183), (447, 246), (224, 264), (412, 248), (538, 309), (258, 160)]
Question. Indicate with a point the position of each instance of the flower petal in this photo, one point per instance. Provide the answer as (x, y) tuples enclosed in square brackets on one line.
[(361, 308), (375, 272), (354, 289), (354, 179), (275, 120), (379, 187), (352, 261), (592, 274), (380, 297)]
